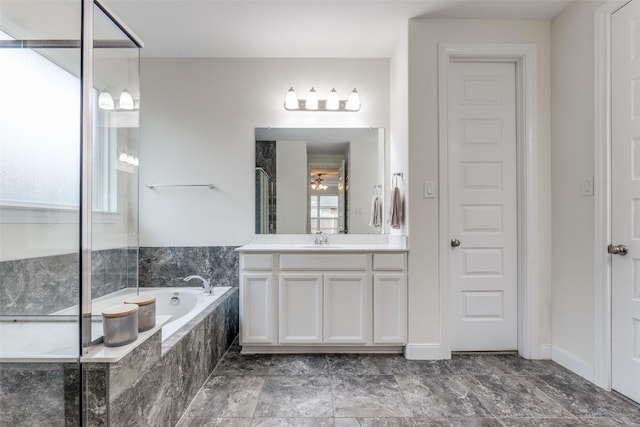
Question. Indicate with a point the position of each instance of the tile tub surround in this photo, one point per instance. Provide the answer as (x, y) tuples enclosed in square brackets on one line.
[(154, 384), (166, 266), (47, 284), (39, 394), (356, 390)]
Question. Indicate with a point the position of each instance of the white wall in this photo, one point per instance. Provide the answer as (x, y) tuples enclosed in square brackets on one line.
[(363, 175), (424, 36), (399, 122), (291, 187), (197, 126), (572, 109)]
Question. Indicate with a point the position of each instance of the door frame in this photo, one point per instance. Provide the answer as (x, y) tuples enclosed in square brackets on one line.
[(602, 193), (525, 58)]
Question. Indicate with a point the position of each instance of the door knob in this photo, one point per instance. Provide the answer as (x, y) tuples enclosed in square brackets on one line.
[(617, 250), (455, 243)]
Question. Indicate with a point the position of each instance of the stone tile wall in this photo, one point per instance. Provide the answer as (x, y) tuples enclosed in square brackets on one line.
[(167, 266), (157, 382), (39, 394), (43, 285)]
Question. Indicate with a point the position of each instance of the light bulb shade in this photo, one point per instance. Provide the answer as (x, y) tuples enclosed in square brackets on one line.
[(333, 101), (353, 103), (291, 101), (105, 101), (126, 100), (312, 100)]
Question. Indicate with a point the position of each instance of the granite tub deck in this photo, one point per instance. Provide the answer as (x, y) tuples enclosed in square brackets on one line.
[(154, 384), (354, 390)]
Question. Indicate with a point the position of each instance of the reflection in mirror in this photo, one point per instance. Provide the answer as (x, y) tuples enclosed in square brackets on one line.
[(310, 180)]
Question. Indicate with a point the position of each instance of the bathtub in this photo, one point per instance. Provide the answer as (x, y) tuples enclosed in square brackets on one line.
[(182, 304), (55, 337)]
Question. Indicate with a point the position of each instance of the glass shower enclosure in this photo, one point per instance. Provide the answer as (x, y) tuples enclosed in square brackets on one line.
[(69, 112)]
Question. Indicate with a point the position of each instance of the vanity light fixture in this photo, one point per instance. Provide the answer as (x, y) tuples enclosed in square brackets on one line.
[(128, 159), (105, 101), (291, 101), (126, 100), (353, 103), (333, 100), (312, 100), (312, 103)]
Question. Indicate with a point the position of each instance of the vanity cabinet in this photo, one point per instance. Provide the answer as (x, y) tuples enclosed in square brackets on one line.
[(258, 299), (322, 301), (389, 299), (347, 308), (300, 308)]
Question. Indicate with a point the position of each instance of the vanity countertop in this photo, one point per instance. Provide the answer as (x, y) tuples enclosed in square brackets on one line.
[(337, 243), (284, 247)]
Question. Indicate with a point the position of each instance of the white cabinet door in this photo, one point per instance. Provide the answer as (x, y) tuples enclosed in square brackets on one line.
[(257, 308), (300, 308), (389, 308), (347, 308)]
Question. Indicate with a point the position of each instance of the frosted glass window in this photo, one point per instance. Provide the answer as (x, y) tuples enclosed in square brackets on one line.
[(39, 131)]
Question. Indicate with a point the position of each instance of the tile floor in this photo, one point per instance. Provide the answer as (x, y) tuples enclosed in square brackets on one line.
[(389, 391)]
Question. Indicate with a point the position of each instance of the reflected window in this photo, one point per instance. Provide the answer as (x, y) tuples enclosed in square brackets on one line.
[(324, 213)]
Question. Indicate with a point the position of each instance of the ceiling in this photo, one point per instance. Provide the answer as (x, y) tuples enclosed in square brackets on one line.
[(299, 28)]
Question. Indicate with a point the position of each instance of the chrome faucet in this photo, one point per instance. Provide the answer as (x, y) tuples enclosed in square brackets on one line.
[(205, 282), (321, 239)]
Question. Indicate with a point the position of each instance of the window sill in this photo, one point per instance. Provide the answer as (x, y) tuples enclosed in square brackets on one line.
[(16, 214)]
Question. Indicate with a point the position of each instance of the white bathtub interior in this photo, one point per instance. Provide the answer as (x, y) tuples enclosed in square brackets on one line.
[(50, 338)]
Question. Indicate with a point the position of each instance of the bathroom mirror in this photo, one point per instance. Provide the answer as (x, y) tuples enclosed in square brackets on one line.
[(318, 179)]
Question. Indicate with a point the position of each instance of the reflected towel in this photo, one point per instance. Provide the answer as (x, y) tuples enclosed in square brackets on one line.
[(375, 219), (395, 209)]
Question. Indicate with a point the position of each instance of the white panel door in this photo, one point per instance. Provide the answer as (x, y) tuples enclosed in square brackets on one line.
[(257, 323), (482, 206), (625, 200), (300, 308), (347, 308)]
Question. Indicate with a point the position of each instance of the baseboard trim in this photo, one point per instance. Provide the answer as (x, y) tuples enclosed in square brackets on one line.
[(422, 352), (545, 351), (572, 362)]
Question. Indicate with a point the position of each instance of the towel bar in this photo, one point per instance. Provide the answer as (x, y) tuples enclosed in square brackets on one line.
[(152, 186)]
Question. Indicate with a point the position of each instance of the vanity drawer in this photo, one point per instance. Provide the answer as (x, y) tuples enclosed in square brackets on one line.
[(388, 262), (257, 261), (323, 262)]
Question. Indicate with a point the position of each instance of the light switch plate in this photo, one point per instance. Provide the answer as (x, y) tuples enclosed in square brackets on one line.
[(429, 190), (587, 186)]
